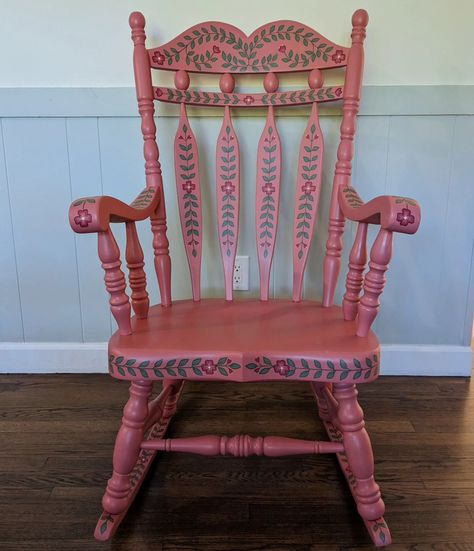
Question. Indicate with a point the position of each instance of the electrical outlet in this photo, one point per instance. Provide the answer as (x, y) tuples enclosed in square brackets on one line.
[(241, 273)]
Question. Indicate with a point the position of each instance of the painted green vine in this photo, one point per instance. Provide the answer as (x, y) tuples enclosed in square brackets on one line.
[(228, 188), (188, 186), (244, 56), (269, 177), (352, 197), (305, 207), (144, 198)]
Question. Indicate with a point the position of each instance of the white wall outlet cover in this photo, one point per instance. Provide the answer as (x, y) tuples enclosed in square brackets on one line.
[(241, 273)]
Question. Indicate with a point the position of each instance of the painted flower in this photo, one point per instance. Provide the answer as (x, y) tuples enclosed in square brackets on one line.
[(209, 367), (281, 367), (83, 218), (405, 217), (338, 92), (228, 188), (282, 49), (308, 188), (339, 56), (158, 58), (248, 100), (158, 92), (216, 49), (188, 186), (268, 188)]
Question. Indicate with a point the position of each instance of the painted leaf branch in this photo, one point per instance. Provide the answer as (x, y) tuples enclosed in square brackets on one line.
[(228, 174), (268, 208)]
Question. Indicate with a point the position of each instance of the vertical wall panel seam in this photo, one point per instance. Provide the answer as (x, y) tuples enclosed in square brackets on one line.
[(12, 230), (468, 321), (75, 235), (446, 211)]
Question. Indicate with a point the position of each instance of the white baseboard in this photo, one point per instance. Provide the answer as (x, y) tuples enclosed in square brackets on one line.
[(55, 357)]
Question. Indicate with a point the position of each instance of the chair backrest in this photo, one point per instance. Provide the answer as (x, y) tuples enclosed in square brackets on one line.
[(277, 47)]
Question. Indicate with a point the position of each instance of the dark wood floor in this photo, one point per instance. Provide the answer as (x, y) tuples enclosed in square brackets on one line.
[(57, 433)]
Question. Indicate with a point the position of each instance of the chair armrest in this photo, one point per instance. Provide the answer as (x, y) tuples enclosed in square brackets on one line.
[(94, 214), (396, 214)]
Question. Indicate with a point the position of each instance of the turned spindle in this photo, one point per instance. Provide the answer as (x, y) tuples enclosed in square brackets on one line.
[(137, 276), (109, 254), (345, 153), (374, 281), (355, 278), (144, 89)]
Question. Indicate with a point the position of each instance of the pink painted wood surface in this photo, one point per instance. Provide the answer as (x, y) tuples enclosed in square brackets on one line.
[(355, 278), (216, 99), (188, 188), (115, 283), (358, 449), (249, 340), (137, 276), (267, 199), (374, 281), (345, 153), (228, 197), (397, 214), (279, 46), (242, 445), (308, 188), (144, 90), (127, 447)]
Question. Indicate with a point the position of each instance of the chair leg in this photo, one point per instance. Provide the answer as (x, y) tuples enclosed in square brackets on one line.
[(327, 406), (142, 420), (359, 451), (127, 447)]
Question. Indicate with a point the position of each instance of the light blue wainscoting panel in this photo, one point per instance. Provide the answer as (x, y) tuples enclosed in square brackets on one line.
[(51, 281)]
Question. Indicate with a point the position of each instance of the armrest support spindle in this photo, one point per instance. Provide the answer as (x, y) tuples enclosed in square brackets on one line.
[(137, 276), (354, 279)]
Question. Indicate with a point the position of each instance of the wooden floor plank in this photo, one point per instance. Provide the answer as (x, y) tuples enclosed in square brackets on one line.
[(57, 434)]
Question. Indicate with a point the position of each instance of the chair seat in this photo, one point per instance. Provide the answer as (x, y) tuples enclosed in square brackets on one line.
[(247, 340)]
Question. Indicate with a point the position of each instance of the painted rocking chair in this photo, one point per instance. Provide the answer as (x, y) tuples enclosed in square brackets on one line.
[(332, 347)]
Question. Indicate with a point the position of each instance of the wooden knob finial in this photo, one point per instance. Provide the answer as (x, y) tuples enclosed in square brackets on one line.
[(360, 18), (227, 83), (315, 79), (270, 83), (136, 20), (181, 80)]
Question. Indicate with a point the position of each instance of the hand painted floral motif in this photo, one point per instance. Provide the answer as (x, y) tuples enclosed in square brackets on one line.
[(297, 97), (405, 217), (243, 55), (308, 187), (352, 197), (228, 174), (187, 176), (172, 367), (268, 207), (328, 370), (144, 198), (83, 218), (338, 56)]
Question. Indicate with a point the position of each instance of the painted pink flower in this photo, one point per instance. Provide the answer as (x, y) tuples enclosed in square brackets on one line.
[(338, 92), (158, 92), (308, 188), (248, 100), (158, 58), (339, 56), (83, 218), (268, 188), (209, 367), (282, 49), (405, 217), (228, 188), (281, 367), (216, 49), (188, 186)]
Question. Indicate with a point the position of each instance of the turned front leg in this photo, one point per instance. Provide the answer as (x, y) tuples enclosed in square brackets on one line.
[(127, 447), (359, 451)]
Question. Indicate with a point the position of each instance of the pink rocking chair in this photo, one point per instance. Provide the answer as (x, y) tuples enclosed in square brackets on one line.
[(331, 347)]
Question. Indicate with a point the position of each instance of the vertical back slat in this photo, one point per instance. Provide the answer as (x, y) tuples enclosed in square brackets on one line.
[(186, 160), (228, 197), (267, 198), (308, 188)]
